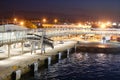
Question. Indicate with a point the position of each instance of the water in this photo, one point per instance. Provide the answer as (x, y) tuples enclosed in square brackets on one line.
[(84, 66)]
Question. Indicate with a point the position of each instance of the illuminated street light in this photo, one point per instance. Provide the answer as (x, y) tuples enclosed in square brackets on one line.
[(103, 25), (44, 20), (21, 23), (55, 21), (114, 24), (108, 23), (15, 20)]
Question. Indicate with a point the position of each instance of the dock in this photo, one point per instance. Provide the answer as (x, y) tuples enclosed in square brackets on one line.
[(22, 62)]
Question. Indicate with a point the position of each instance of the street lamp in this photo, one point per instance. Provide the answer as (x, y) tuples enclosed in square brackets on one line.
[(44, 20), (55, 21), (21, 23), (103, 25), (15, 20)]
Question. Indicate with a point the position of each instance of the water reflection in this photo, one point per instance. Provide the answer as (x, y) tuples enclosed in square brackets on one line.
[(101, 46), (101, 56), (84, 66), (79, 56)]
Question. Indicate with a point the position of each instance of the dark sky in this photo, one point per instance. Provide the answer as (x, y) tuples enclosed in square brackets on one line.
[(61, 8)]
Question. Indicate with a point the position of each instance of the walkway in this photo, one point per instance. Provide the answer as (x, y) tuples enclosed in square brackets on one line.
[(7, 66)]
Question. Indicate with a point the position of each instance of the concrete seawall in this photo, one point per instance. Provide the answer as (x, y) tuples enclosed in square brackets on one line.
[(98, 47), (23, 62)]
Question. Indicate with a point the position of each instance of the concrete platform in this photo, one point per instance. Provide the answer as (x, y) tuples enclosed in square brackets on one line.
[(22, 62), (98, 47)]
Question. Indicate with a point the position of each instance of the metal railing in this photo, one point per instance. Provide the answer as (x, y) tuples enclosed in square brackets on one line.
[(13, 36)]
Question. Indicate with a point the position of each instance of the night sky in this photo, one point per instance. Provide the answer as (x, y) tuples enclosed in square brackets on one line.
[(73, 9)]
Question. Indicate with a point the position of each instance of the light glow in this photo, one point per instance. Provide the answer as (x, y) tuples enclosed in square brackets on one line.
[(103, 25), (21, 23), (114, 24), (55, 20), (44, 20)]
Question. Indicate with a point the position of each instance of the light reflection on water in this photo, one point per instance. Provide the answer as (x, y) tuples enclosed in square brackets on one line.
[(85, 66)]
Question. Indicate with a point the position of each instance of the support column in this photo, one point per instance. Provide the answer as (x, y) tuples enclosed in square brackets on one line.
[(22, 47), (38, 45), (44, 48), (9, 46), (34, 47), (31, 47), (42, 41)]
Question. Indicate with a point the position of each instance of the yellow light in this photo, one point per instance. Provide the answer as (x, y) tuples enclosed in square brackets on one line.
[(108, 23), (79, 25), (15, 19), (55, 20), (21, 23), (103, 26), (44, 20)]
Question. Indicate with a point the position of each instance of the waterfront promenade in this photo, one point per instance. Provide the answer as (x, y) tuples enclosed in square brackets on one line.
[(22, 62)]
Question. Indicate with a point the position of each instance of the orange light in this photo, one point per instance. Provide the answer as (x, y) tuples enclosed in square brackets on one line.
[(15, 19), (21, 23), (55, 20), (44, 20), (103, 25)]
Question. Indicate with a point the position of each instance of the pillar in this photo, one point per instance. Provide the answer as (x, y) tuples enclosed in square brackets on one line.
[(22, 47), (9, 46), (31, 47), (42, 41)]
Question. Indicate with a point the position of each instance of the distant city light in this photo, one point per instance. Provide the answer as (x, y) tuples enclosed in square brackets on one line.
[(44, 20), (83, 25), (114, 24), (21, 23), (108, 23), (79, 25), (15, 19), (55, 20), (103, 25), (119, 24)]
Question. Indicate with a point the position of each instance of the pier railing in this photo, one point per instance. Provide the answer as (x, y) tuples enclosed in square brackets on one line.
[(16, 36)]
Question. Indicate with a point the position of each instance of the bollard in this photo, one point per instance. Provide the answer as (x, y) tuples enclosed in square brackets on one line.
[(35, 66), (36, 74), (68, 52), (16, 75), (49, 60), (59, 55)]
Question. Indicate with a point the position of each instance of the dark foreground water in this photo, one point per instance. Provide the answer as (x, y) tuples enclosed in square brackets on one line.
[(84, 66)]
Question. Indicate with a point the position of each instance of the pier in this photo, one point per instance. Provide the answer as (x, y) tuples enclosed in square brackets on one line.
[(21, 49)]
